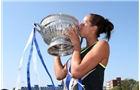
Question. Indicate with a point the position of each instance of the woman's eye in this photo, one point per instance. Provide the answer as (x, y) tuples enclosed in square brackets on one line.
[(82, 24)]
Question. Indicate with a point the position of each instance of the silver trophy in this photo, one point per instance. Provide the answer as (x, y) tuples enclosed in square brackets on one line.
[(52, 29)]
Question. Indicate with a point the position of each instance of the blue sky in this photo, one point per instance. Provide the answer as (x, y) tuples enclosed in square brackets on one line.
[(17, 22)]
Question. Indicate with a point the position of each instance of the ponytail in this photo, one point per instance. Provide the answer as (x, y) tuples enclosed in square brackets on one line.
[(108, 28)]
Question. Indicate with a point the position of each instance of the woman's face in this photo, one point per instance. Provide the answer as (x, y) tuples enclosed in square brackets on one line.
[(85, 26)]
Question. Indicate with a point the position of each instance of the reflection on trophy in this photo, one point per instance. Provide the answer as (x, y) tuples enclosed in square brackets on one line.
[(52, 29)]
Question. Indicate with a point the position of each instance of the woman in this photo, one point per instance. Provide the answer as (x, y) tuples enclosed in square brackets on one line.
[(89, 63)]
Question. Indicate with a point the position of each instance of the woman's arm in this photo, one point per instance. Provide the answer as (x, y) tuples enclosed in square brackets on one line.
[(99, 53), (60, 70)]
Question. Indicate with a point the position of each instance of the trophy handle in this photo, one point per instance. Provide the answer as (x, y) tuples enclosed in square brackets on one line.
[(40, 26)]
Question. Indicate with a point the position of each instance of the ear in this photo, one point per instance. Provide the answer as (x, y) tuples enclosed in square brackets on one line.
[(94, 27)]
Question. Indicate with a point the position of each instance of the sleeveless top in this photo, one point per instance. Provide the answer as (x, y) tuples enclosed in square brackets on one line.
[(93, 80)]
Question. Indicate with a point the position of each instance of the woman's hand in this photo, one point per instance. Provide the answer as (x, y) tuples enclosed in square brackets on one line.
[(73, 35)]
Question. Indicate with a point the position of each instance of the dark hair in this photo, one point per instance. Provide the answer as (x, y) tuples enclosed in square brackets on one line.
[(104, 25)]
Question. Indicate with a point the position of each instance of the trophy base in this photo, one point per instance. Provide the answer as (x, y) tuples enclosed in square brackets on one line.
[(60, 47)]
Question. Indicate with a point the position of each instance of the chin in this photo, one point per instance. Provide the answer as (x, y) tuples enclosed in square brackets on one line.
[(80, 35)]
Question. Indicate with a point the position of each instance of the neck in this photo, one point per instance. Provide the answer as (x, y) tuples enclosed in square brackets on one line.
[(90, 42)]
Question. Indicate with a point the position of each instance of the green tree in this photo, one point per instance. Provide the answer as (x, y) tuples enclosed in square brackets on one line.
[(128, 84), (117, 88), (136, 86)]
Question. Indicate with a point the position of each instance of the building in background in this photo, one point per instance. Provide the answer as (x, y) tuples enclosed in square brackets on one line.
[(104, 87), (112, 83)]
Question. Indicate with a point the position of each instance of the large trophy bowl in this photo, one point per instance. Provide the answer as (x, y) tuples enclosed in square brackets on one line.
[(52, 29)]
